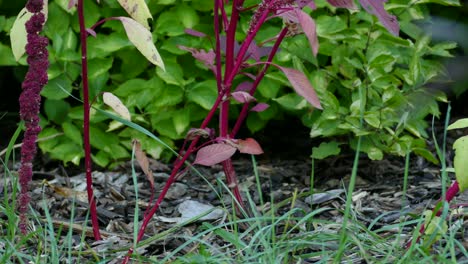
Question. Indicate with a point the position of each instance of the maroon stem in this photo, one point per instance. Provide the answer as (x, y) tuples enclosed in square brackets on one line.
[(258, 79), (177, 166), (451, 192), (86, 106)]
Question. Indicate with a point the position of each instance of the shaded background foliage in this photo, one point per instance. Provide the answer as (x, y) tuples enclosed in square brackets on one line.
[(355, 53)]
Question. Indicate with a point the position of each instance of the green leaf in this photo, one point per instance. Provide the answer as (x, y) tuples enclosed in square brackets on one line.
[(326, 149), (203, 93), (98, 67), (6, 57), (102, 140), (441, 2), (101, 158), (106, 44), (460, 123), (181, 120), (173, 74), (56, 110), (188, 17), (58, 22), (328, 25), (57, 88), (67, 151), (373, 118), (169, 95), (269, 88), (73, 133), (460, 162), (255, 123), (291, 101), (143, 40)]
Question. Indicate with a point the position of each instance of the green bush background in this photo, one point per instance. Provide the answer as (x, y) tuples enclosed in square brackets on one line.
[(360, 68)]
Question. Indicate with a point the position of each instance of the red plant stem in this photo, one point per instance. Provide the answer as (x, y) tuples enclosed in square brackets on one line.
[(177, 166), (258, 79), (231, 38), (218, 45), (451, 192), (86, 106), (243, 49)]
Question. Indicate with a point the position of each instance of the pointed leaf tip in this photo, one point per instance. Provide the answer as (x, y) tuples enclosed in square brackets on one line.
[(260, 107), (301, 85), (116, 105), (138, 10), (309, 28), (249, 146), (243, 97), (376, 7), (214, 154), (143, 40)]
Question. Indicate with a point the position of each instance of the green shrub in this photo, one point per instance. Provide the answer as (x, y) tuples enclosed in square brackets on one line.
[(360, 68)]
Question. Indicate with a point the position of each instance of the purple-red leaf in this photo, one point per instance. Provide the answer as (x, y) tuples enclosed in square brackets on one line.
[(249, 146), (244, 86), (376, 7), (302, 3), (243, 97), (206, 57), (91, 32), (214, 154), (309, 28), (301, 85), (195, 33), (260, 107), (343, 3)]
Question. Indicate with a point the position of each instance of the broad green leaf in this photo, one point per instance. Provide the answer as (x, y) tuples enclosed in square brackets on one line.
[(172, 74), (99, 66), (460, 162), (73, 133), (268, 87), (460, 123), (56, 110), (7, 58), (102, 140), (130, 87), (18, 35), (58, 22), (101, 158), (181, 121), (204, 94), (142, 39), (68, 151), (187, 15), (138, 10), (291, 101), (326, 149)]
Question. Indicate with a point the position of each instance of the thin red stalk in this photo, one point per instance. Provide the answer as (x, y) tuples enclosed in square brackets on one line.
[(86, 106), (258, 79), (231, 39), (451, 192), (218, 45), (243, 49), (177, 166)]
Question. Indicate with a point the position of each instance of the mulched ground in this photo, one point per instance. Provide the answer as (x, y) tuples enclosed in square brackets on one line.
[(378, 193)]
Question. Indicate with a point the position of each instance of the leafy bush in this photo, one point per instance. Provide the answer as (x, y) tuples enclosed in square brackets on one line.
[(359, 67)]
